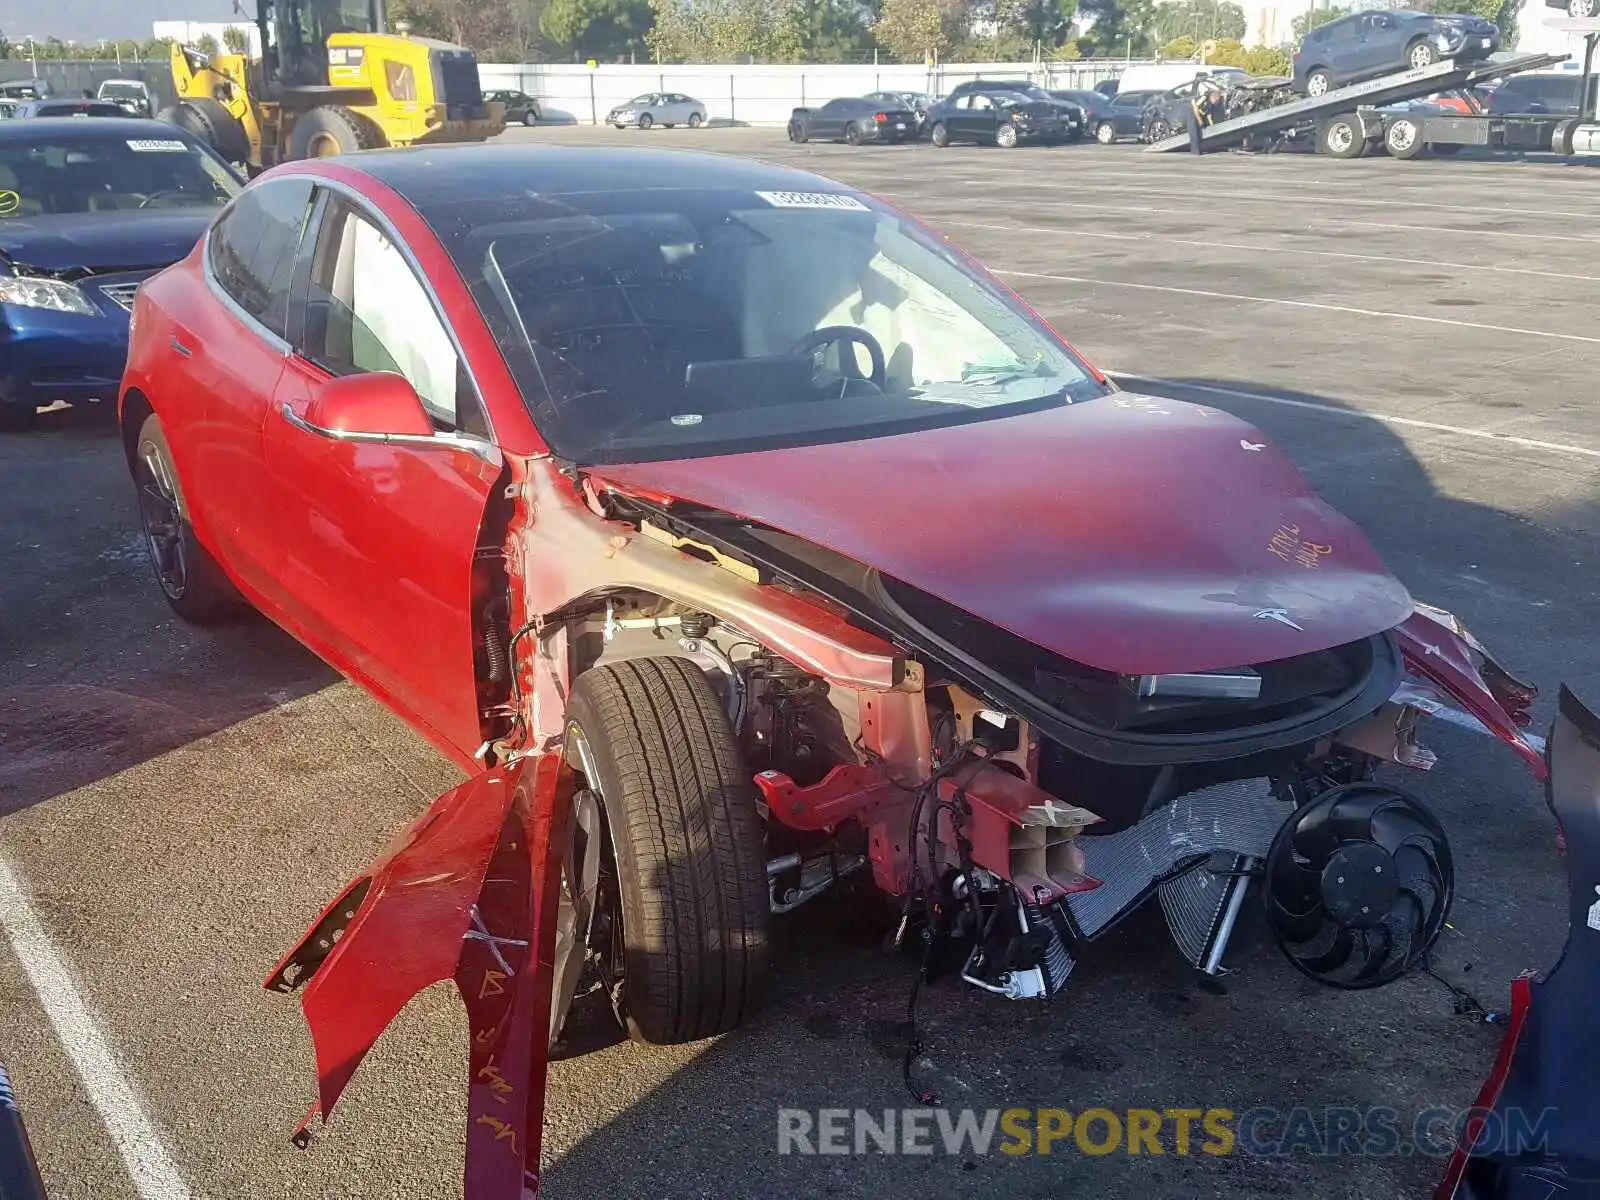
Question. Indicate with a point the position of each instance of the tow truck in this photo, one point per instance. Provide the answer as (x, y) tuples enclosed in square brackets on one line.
[(1347, 122)]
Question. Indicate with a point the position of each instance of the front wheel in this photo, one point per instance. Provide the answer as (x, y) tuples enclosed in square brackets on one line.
[(646, 120), (941, 135), (529, 119), (1006, 136), (649, 736), (1159, 130), (696, 120), (1421, 54), (1105, 133)]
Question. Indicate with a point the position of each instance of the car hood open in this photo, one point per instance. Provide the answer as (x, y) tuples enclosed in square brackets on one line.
[(1130, 533)]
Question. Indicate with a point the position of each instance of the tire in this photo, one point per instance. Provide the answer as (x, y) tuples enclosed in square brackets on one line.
[(852, 134), (1341, 137), (646, 120), (1072, 135), (189, 578), (940, 136), (1319, 82), (1581, 10), (332, 129), (696, 120), (1105, 133), (798, 132), (688, 845), (1402, 138), (1006, 136), (1159, 130), (530, 118), (213, 124), (1421, 54)]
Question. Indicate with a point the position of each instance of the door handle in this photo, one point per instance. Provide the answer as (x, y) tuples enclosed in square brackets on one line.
[(178, 345)]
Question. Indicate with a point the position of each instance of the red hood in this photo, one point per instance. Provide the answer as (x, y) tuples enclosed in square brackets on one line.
[(1130, 533)]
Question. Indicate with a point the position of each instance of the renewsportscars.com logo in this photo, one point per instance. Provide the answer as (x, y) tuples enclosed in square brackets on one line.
[(1260, 1132)]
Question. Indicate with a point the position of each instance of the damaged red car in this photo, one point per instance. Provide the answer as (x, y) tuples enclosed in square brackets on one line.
[(744, 539)]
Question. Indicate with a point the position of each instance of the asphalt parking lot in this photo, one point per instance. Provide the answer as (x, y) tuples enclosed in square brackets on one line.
[(176, 805)]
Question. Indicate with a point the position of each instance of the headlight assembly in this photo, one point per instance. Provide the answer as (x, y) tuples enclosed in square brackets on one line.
[(31, 292)]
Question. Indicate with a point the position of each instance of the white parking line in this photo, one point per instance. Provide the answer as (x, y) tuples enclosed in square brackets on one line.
[(1261, 249), (1066, 201), (154, 1174), (1488, 435), (1309, 304), (1092, 183)]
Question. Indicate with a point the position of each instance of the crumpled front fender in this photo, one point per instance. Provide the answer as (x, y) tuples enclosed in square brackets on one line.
[(1439, 650), (468, 893)]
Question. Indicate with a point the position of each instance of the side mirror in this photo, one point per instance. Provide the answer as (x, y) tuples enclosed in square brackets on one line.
[(374, 402)]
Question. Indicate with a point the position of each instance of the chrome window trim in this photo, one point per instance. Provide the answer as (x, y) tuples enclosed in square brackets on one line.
[(363, 209), (449, 440)]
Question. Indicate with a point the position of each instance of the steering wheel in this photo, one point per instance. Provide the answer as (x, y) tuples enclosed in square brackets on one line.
[(830, 335), (150, 199)]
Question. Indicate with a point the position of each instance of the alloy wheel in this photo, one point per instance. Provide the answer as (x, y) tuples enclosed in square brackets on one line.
[(161, 516)]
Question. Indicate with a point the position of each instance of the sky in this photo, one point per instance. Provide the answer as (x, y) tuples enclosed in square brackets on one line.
[(87, 20)]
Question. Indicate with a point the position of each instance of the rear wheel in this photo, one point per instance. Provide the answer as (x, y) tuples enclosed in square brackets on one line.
[(1421, 54), (646, 120), (1006, 136), (798, 131), (189, 577), (1105, 133), (1341, 137), (1319, 82), (940, 135), (852, 134), (1403, 138), (332, 129), (649, 736)]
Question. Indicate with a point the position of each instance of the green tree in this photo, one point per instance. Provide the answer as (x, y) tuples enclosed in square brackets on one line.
[(1316, 18), (236, 40), (1503, 13), (156, 48), (1120, 28), (1201, 20), (1267, 60), (835, 30), (1047, 23), (494, 29), (207, 44), (913, 29), (125, 49), (1180, 48), (727, 30), (598, 29)]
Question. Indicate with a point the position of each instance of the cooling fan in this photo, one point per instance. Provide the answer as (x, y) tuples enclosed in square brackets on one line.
[(1358, 885)]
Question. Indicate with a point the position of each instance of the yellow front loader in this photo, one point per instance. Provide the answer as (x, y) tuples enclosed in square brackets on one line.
[(330, 80)]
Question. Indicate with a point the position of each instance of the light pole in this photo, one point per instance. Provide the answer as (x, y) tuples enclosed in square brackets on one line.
[(33, 54)]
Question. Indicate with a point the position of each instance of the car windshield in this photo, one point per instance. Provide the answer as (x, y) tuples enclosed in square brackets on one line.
[(79, 174), (121, 91), (647, 98), (651, 324)]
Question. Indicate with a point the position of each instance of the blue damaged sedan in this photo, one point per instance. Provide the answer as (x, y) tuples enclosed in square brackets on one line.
[(89, 209)]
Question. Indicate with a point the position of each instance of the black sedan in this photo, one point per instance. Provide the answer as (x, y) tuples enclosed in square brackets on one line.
[(1072, 114), (1123, 118), (917, 102), (1000, 118), (854, 120), (521, 108)]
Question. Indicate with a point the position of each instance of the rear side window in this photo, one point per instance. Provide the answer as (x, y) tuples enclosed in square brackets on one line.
[(252, 248), (1339, 31)]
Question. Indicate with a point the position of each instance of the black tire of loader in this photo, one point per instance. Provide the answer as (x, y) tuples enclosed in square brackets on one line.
[(349, 130), (689, 847), (213, 124)]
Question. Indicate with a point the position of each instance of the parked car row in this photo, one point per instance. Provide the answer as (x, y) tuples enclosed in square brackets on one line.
[(1002, 112)]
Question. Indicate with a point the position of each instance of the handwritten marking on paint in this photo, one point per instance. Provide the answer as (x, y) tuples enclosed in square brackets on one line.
[(498, 1083), (1288, 544), (10, 202), (493, 984), (502, 1131), (1249, 445)]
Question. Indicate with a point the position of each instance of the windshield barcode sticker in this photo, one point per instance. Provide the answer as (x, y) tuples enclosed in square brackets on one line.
[(158, 145), (813, 200)]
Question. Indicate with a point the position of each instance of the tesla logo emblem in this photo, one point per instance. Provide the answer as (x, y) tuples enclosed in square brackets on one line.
[(1281, 616), (1287, 543)]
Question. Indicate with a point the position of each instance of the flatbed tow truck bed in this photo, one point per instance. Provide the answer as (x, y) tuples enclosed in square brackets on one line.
[(1357, 106)]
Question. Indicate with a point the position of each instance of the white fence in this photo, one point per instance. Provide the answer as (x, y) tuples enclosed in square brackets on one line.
[(761, 95)]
